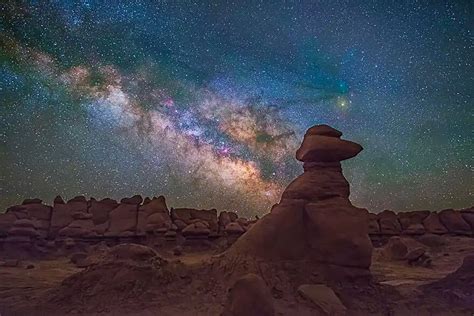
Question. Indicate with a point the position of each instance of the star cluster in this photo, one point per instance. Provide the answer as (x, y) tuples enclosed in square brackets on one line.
[(206, 102)]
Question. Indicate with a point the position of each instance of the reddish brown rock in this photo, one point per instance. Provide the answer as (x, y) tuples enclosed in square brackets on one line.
[(324, 298), (324, 130), (196, 230), (414, 229), (58, 200), (395, 249), (6, 222), (224, 219), (100, 210), (407, 219), (469, 218), (123, 220), (326, 148), (78, 228), (389, 224), (374, 227), (234, 228), (337, 233), (454, 222), (153, 216), (188, 215), (79, 198), (62, 214), (433, 225), (249, 296)]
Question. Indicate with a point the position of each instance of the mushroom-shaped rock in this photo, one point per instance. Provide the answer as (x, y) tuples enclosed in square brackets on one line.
[(249, 296), (326, 147)]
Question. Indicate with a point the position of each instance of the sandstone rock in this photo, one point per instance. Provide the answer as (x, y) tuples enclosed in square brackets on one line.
[(224, 219), (180, 224), (178, 251), (62, 214), (197, 229), (432, 240), (78, 257), (454, 222), (32, 201), (132, 252), (249, 296), (318, 183), (134, 200), (319, 148), (389, 224), (395, 249), (469, 218), (414, 229), (153, 216), (188, 215), (433, 225), (23, 227), (337, 233), (79, 198), (122, 219), (146, 200), (234, 228), (415, 254), (58, 200), (6, 222), (81, 215), (78, 228), (374, 227), (324, 130), (233, 216), (408, 219), (100, 210), (324, 298)]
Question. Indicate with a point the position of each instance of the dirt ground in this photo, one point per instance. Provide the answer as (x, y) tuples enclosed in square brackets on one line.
[(22, 286)]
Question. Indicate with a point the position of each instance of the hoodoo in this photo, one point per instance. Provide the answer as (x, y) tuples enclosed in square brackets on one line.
[(314, 221)]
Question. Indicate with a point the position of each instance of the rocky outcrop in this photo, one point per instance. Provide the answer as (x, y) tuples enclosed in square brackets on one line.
[(249, 296), (314, 221)]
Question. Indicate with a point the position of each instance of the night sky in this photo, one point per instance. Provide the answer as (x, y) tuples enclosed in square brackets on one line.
[(207, 102)]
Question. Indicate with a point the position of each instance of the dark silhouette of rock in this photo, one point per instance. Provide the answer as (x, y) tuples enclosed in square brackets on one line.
[(234, 228), (395, 249), (408, 219), (79, 198), (249, 296), (188, 215), (134, 200), (58, 200), (374, 227), (32, 201), (62, 214)]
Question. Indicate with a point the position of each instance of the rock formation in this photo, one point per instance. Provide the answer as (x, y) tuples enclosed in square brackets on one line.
[(314, 221)]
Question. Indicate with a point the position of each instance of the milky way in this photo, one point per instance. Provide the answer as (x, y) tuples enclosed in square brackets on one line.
[(207, 102)]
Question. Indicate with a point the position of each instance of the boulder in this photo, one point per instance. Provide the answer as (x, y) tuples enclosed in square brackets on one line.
[(224, 219), (79, 228), (249, 296), (389, 224), (408, 219), (234, 228), (323, 298), (374, 227), (323, 130), (454, 222), (433, 225), (432, 240), (196, 230), (188, 215), (123, 219), (153, 216), (134, 200), (58, 200), (62, 214), (414, 229), (395, 249), (100, 210), (32, 201), (469, 218)]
